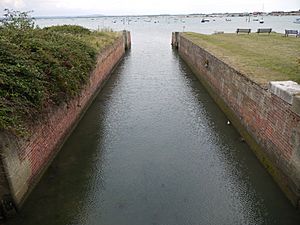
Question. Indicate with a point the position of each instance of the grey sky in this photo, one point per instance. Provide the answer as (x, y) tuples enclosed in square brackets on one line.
[(119, 7)]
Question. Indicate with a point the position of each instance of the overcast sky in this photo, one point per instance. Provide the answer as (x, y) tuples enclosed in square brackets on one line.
[(126, 7)]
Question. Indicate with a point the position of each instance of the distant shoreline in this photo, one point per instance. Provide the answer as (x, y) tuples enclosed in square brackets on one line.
[(238, 14), (244, 14)]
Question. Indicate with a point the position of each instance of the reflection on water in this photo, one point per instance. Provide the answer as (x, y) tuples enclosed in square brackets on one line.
[(155, 149)]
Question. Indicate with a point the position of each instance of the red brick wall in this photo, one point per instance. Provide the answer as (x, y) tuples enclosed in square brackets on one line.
[(268, 119), (26, 160), (58, 123)]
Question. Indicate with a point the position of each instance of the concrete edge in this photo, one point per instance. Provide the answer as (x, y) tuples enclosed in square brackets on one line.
[(286, 90)]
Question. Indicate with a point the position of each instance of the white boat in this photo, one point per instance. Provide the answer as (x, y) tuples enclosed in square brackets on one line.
[(297, 20), (261, 20)]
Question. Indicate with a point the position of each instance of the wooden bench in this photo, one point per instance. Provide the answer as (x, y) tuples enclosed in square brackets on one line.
[(293, 32), (264, 30), (239, 30)]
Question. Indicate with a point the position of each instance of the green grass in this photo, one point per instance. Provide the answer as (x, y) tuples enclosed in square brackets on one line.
[(261, 57), (95, 39), (42, 68)]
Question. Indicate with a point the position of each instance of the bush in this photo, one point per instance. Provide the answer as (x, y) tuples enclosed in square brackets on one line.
[(69, 29), (37, 68), (41, 68)]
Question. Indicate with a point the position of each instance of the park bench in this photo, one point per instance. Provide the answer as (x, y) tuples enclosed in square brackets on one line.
[(264, 30), (239, 30), (293, 32)]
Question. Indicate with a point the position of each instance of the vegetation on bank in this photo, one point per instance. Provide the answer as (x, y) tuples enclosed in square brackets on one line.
[(41, 68), (261, 57)]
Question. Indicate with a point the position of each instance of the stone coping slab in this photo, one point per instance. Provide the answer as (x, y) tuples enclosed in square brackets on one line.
[(286, 90)]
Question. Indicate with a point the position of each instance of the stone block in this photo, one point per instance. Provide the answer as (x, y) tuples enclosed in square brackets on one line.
[(296, 104), (286, 90)]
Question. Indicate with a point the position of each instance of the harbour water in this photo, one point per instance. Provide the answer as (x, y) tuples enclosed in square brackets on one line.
[(154, 148), (167, 24)]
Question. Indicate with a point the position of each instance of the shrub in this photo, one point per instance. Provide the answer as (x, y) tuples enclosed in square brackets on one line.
[(38, 68), (69, 29), (41, 68)]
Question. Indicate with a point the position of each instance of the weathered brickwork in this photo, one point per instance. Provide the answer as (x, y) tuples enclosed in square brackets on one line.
[(25, 160), (269, 124)]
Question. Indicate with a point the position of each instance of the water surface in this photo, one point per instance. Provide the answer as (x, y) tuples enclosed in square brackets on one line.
[(154, 148)]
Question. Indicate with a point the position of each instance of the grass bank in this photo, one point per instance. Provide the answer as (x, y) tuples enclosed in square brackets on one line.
[(261, 57), (42, 68)]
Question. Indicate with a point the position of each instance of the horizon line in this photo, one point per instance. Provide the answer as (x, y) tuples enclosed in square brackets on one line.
[(160, 14)]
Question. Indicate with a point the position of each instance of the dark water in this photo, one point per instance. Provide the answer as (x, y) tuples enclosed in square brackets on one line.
[(154, 149)]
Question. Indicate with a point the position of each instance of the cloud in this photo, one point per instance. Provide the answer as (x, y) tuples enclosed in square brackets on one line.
[(15, 4), (110, 7)]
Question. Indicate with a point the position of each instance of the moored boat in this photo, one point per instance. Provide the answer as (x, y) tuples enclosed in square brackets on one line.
[(297, 20), (204, 20)]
